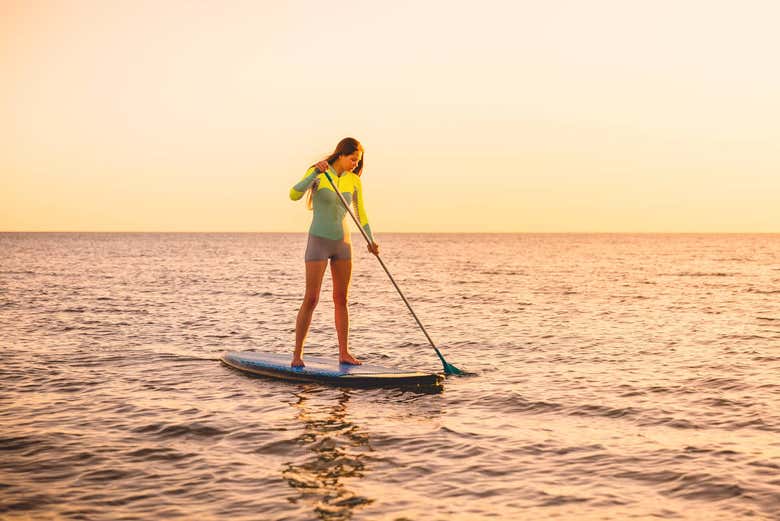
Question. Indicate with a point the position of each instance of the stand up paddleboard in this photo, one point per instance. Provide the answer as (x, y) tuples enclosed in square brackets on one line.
[(327, 371)]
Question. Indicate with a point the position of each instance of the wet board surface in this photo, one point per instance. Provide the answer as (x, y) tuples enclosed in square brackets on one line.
[(327, 370)]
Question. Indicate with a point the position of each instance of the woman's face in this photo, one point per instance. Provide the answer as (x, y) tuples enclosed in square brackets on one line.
[(350, 162)]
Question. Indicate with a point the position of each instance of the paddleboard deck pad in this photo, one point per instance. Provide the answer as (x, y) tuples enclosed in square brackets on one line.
[(327, 371)]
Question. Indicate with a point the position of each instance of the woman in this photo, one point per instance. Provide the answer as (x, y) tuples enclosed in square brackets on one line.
[(329, 239)]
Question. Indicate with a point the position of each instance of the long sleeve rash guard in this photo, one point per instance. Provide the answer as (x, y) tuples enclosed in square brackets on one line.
[(329, 220)]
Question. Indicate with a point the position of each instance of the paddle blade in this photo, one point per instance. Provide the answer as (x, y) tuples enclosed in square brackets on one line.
[(451, 369), (448, 367)]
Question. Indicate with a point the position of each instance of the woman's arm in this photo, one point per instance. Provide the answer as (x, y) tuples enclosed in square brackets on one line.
[(297, 191), (360, 209)]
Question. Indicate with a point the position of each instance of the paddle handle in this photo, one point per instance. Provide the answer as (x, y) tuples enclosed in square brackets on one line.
[(370, 242)]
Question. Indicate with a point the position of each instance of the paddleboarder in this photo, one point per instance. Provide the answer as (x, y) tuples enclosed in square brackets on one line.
[(329, 238)]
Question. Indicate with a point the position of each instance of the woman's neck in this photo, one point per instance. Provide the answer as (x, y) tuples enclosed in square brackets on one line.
[(337, 169)]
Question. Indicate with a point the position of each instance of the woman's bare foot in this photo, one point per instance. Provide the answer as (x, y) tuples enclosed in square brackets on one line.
[(297, 362), (349, 359)]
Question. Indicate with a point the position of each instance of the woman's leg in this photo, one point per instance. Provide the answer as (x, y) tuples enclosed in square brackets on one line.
[(341, 270), (314, 272)]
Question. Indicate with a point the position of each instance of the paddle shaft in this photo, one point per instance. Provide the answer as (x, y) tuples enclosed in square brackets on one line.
[(370, 242)]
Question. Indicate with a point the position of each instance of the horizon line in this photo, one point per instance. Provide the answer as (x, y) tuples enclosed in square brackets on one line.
[(407, 232)]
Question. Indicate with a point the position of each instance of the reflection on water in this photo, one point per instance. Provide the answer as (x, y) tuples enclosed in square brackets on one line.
[(621, 377), (337, 454)]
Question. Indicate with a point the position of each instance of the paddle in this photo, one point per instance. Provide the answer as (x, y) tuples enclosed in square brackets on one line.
[(448, 368)]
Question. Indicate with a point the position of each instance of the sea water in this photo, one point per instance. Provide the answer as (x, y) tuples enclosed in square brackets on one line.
[(618, 377)]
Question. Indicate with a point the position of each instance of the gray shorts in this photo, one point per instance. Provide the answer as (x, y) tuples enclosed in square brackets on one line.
[(320, 248)]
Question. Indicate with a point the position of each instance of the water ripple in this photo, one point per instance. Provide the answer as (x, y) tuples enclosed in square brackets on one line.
[(618, 377)]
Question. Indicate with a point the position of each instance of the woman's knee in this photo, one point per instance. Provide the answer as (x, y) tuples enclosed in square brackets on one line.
[(340, 298), (310, 300)]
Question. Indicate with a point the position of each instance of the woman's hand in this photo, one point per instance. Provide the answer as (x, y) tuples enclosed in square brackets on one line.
[(373, 248), (322, 166)]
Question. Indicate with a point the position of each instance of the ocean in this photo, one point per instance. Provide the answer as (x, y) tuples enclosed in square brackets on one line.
[(617, 377)]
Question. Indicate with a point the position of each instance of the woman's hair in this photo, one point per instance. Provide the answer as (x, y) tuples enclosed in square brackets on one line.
[(346, 147)]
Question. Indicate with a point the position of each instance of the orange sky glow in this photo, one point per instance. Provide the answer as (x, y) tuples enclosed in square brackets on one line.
[(561, 116)]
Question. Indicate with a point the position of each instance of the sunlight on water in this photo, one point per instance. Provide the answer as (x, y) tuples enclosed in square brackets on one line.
[(618, 377)]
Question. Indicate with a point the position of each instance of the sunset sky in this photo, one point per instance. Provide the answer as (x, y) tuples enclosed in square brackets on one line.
[(559, 116)]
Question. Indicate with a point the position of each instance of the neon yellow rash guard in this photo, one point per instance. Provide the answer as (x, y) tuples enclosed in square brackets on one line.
[(329, 220)]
